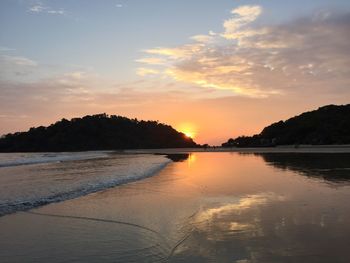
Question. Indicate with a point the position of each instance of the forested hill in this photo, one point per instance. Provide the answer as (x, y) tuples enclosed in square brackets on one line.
[(96, 132), (326, 125)]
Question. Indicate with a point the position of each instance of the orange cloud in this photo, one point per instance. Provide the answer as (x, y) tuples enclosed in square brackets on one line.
[(151, 61), (264, 61), (146, 71)]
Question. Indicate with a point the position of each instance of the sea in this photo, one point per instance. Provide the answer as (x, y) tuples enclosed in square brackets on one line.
[(30, 180)]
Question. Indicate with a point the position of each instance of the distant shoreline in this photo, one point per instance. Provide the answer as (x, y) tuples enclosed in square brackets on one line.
[(278, 149), (340, 148)]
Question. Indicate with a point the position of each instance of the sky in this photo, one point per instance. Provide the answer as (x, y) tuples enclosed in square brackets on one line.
[(214, 69)]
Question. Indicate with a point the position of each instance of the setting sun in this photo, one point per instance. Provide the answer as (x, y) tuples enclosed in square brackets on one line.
[(189, 129), (189, 134)]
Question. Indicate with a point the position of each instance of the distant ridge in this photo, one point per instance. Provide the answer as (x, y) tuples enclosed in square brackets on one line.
[(327, 125), (96, 132)]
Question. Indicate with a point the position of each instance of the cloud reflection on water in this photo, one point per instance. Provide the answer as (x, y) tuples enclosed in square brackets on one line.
[(291, 224)]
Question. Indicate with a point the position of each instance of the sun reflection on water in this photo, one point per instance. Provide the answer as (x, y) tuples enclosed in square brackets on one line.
[(191, 159)]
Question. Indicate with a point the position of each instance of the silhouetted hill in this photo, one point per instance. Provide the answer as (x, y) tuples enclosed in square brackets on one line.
[(326, 125), (96, 132)]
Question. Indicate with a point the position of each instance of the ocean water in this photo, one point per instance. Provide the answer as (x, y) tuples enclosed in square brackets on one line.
[(29, 180)]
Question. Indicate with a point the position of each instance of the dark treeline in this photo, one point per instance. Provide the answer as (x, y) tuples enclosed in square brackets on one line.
[(326, 125), (96, 132)]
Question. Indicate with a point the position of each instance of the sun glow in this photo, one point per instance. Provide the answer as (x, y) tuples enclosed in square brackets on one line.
[(188, 129), (189, 134), (191, 159)]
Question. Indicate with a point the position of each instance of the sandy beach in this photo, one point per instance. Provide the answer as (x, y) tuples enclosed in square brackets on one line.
[(211, 207)]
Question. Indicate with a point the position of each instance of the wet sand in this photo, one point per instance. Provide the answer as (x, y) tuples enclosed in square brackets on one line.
[(212, 207)]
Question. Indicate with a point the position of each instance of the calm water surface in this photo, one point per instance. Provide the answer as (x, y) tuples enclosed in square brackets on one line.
[(212, 207)]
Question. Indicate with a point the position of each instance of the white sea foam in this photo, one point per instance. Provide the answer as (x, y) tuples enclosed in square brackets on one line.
[(61, 176), (15, 159)]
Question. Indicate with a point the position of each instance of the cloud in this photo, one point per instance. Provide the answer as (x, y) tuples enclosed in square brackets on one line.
[(202, 38), (309, 55), (16, 67), (19, 61), (151, 61), (57, 12), (40, 8), (242, 16), (175, 53), (146, 71)]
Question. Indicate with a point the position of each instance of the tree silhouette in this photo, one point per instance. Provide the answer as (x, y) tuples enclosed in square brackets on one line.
[(96, 132), (326, 125)]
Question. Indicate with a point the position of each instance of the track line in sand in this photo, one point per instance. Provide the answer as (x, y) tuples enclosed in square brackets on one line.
[(114, 222), (99, 220), (172, 249)]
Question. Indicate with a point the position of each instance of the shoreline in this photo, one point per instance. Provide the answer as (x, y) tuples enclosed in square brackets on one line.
[(277, 149), (337, 148)]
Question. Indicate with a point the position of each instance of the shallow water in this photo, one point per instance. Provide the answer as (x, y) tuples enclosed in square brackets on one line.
[(212, 207), (29, 180)]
